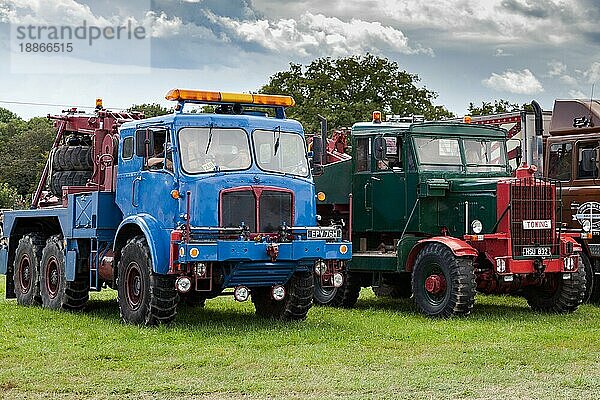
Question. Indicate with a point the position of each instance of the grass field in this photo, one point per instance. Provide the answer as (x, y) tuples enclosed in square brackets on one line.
[(381, 349)]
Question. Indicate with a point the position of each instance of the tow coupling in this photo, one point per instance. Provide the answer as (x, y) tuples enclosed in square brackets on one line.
[(273, 251)]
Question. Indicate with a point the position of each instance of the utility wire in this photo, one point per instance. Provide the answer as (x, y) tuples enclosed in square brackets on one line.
[(25, 103)]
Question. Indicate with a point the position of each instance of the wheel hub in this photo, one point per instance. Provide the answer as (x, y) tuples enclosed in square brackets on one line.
[(435, 284), (133, 286), (52, 278), (25, 274)]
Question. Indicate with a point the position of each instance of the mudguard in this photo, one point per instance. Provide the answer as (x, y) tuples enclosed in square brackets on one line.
[(459, 248), (157, 236)]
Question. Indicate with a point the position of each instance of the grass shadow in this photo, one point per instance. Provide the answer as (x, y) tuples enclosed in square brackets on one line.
[(224, 317)]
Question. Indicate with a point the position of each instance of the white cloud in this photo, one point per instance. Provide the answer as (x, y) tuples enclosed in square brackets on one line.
[(593, 72), (519, 82), (556, 68), (318, 35), (568, 80), (577, 94), (52, 13)]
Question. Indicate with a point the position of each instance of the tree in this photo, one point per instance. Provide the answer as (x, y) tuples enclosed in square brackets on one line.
[(8, 196), (348, 90), (499, 107), (7, 115), (149, 109), (24, 154)]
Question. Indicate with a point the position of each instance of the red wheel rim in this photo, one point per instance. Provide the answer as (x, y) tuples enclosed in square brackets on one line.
[(133, 286), (52, 277), (25, 274), (435, 284)]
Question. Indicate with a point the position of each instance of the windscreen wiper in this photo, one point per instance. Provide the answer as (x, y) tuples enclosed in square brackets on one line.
[(276, 146), (210, 135)]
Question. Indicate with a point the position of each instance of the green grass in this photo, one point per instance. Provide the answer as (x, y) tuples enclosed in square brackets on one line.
[(381, 349)]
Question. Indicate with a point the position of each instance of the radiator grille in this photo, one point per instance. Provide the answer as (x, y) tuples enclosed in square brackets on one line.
[(238, 207), (275, 209), (261, 210), (534, 200)]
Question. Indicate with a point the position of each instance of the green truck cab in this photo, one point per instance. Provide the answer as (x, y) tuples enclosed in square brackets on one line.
[(434, 212)]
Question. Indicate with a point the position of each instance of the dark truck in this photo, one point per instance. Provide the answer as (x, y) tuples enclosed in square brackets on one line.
[(434, 212)]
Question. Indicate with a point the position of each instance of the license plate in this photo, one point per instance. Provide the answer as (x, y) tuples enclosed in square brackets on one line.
[(532, 224), (537, 251), (324, 233)]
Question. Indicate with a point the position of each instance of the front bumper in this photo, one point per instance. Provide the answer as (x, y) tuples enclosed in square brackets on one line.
[(249, 251)]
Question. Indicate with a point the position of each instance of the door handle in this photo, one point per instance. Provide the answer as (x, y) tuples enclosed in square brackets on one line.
[(366, 189), (137, 179)]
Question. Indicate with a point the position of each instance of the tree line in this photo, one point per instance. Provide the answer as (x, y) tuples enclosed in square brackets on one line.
[(343, 90)]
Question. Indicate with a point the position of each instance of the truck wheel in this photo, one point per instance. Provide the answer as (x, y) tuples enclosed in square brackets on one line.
[(443, 285), (557, 295), (26, 269), (323, 295), (589, 277), (345, 296), (56, 292), (298, 299), (144, 297), (395, 291)]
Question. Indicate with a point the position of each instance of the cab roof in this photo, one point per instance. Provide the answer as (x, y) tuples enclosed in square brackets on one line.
[(436, 128)]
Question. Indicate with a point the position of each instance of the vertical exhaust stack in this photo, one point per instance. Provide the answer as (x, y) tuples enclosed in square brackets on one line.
[(537, 145), (323, 139)]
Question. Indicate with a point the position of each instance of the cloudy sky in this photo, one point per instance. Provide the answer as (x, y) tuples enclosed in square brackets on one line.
[(465, 50)]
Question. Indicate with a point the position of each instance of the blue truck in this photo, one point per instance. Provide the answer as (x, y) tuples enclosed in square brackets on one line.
[(176, 208)]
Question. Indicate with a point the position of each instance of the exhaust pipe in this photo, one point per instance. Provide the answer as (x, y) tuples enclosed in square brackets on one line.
[(537, 156)]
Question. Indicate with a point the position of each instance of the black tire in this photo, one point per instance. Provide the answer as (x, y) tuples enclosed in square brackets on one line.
[(72, 158), (589, 277), (144, 297), (455, 294), (56, 292), (26, 269), (557, 295), (298, 299), (68, 178), (345, 296), (402, 290), (595, 293)]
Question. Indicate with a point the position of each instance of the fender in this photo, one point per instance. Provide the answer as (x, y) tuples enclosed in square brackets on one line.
[(156, 235), (459, 248)]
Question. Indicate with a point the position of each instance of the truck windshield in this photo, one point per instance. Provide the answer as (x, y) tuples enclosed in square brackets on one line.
[(213, 149), (484, 155), (282, 152), (437, 154)]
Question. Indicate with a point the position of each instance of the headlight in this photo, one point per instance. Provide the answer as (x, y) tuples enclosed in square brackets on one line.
[(183, 284), (320, 268), (476, 226), (338, 280)]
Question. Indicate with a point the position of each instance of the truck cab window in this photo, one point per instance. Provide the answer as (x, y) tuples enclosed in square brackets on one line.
[(162, 152), (560, 161), (127, 152), (587, 161), (393, 155), (363, 154)]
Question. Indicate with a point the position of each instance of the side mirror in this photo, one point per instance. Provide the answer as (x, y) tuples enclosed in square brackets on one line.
[(588, 160), (144, 143), (379, 148)]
